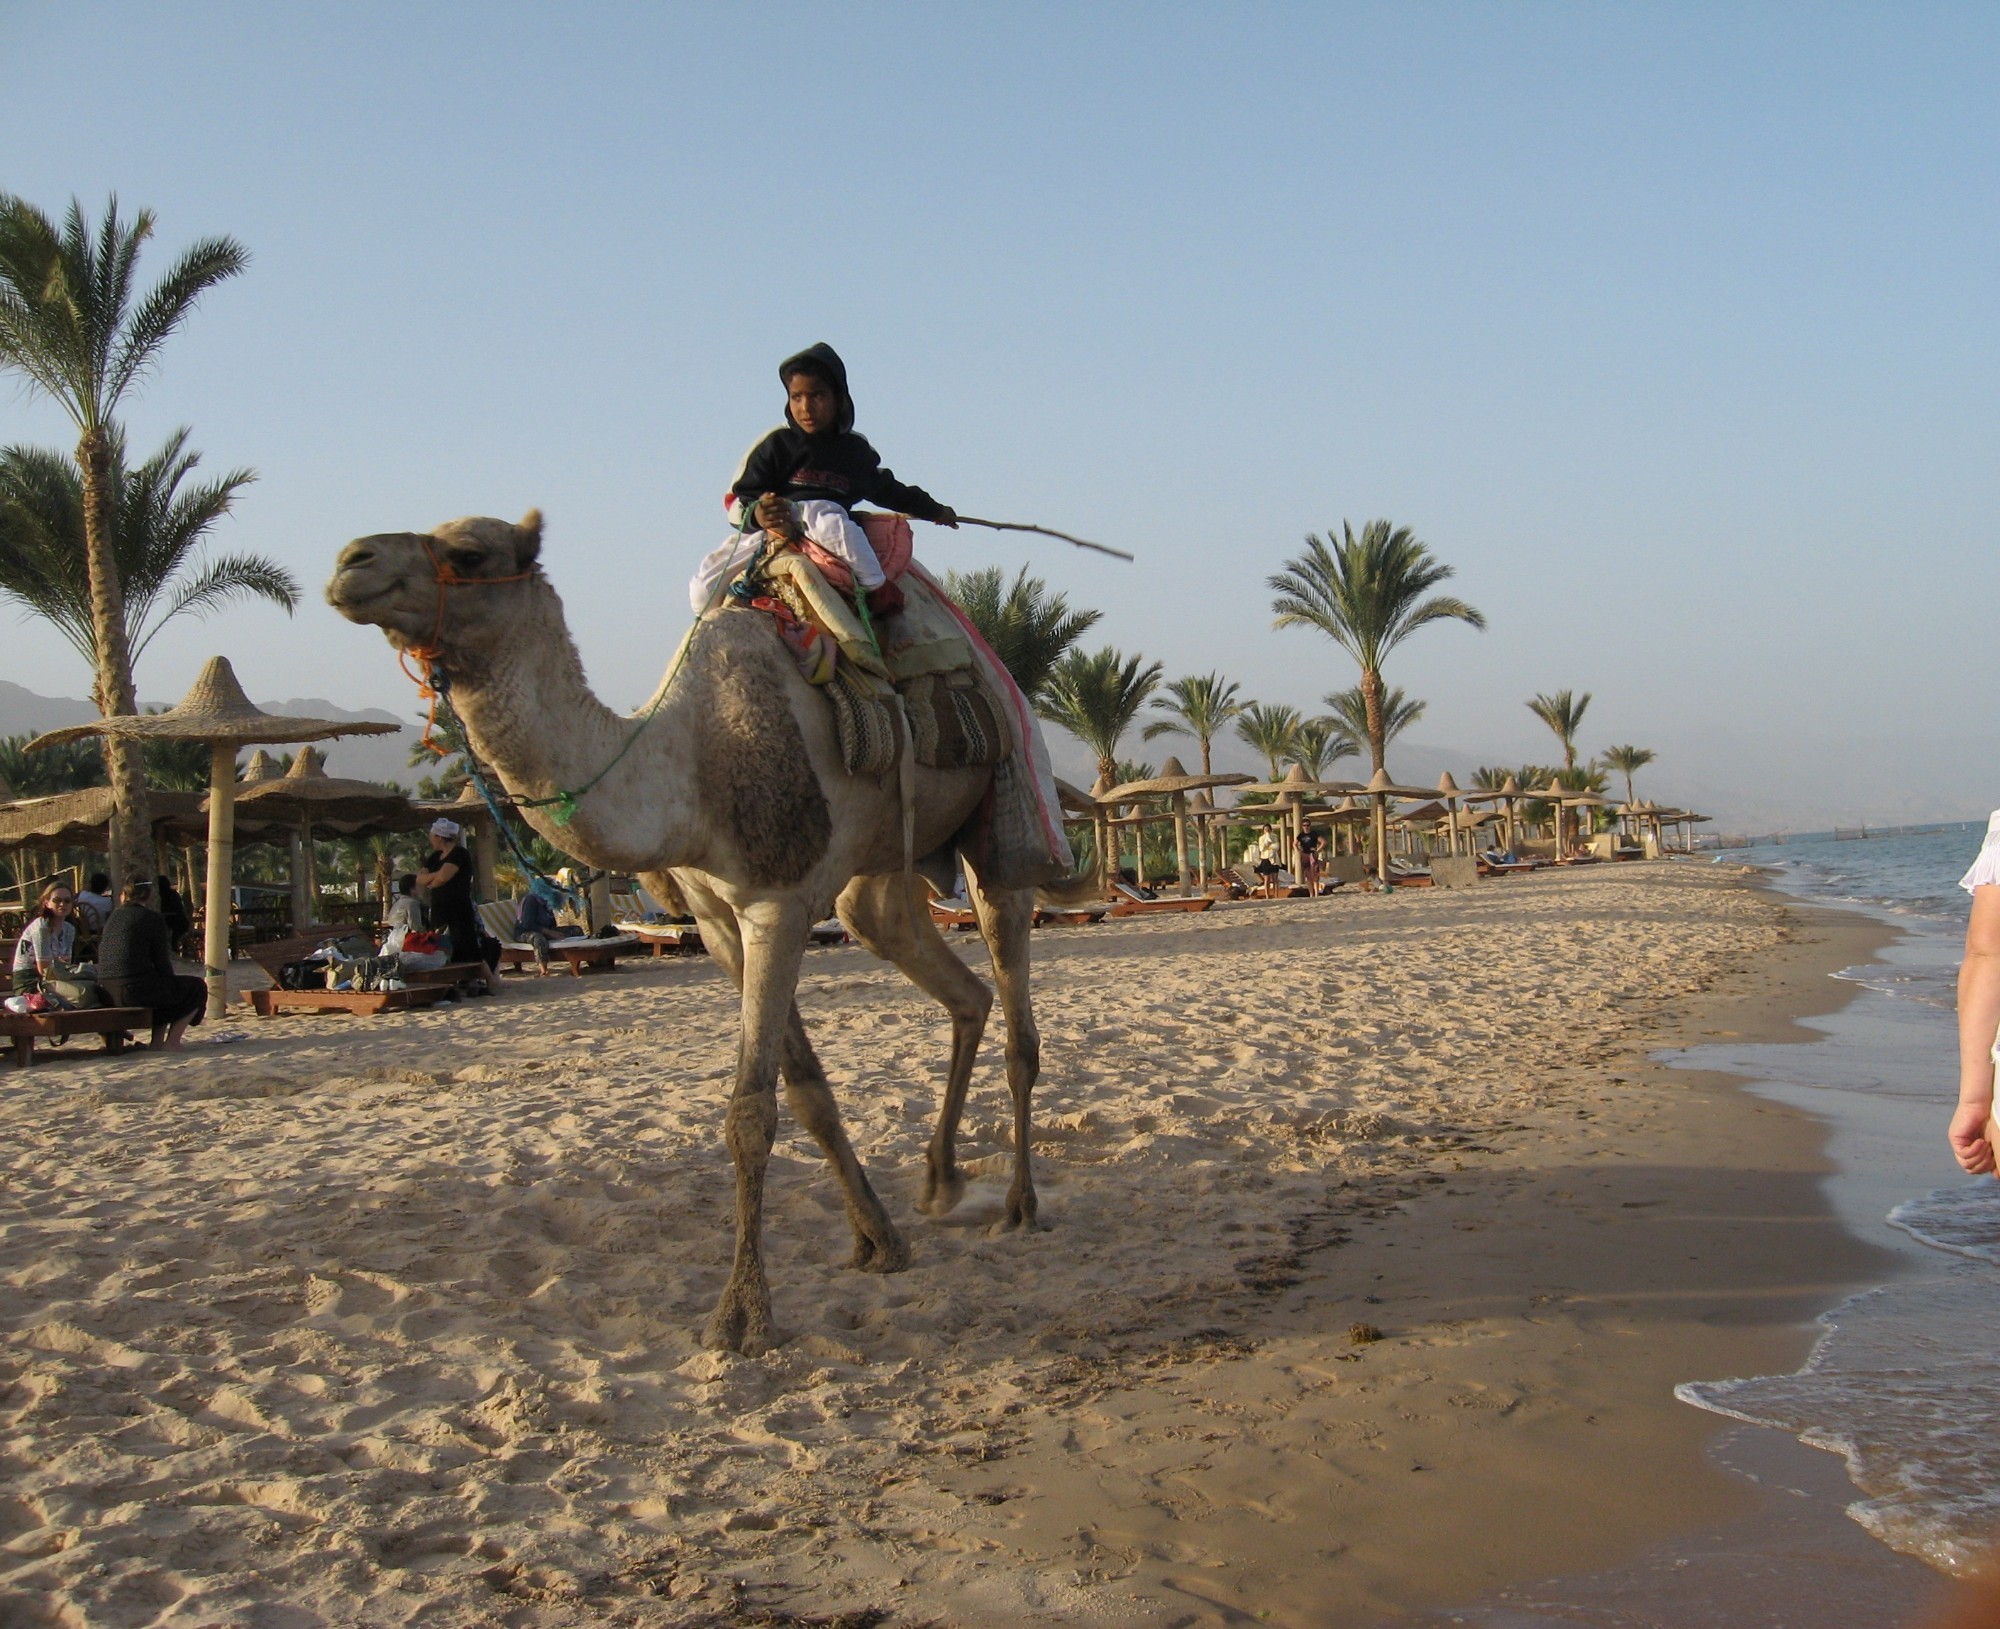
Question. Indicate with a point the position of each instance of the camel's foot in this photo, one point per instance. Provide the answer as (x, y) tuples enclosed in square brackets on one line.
[(1021, 1207), (741, 1322), (879, 1249), (942, 1193)]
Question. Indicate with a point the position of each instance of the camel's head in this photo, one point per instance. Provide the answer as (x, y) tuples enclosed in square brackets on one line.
[(425, 588)]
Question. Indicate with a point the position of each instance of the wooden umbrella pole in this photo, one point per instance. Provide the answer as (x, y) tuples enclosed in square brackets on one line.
[(1043, 531), (221, 863)]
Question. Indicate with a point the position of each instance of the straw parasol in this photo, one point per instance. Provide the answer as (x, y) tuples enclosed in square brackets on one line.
[(1292, 789), (306, 795), (1175, 783), (1448, 795), (82, 819), (1382, 789), (217, 711)]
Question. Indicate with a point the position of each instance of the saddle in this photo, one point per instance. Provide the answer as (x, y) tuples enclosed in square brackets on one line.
[(955, 719)]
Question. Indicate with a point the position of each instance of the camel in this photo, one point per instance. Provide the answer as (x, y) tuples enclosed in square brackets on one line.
[(734, 789)]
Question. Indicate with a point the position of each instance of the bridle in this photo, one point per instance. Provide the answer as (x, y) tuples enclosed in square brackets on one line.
[(431, 682)]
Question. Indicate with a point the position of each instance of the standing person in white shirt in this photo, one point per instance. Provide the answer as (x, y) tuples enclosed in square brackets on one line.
[(1972, 1130)]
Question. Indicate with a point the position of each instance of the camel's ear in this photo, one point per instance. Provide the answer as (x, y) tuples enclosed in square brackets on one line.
[(528, 539)]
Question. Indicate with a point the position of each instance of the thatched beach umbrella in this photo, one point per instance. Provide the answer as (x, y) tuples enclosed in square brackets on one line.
[(306, 795), (1175, 783), (1292, 790), (1382, 789), (216, 710), (1448, 795)]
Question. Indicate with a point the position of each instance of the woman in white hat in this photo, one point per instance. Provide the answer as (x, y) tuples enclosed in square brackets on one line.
[(446, 879)]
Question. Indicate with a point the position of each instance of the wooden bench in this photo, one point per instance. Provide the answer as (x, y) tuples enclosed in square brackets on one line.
[(115, 1024), (365, 1003)]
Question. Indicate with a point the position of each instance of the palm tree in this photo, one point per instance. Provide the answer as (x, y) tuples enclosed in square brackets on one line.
[(1367, 594), (157, 529), (66, 768), (1029, 628), (1563, 712), (1200, 706), (1096, 697), (70, 324), (1272, 729), (1319, 743), (1628, 761), (1350, 711)]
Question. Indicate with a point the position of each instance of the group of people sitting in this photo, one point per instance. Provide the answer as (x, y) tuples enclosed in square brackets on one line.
[(134, 957)]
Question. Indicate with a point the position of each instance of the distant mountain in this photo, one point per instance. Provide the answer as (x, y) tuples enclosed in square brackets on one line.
[(360, 757)]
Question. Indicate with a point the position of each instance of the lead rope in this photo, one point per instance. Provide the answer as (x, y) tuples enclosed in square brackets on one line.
[(434, 685)]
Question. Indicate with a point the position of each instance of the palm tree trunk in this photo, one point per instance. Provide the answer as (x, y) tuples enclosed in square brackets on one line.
[(131, 816), (1207, 768), (1371, 699)]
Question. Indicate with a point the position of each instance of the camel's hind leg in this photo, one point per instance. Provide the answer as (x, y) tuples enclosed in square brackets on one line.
[(1006, 918), (887, 914), (878, 1246)]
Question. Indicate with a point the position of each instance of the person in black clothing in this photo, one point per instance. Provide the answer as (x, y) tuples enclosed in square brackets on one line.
[(817, 459), (447, 878), (135, 967)]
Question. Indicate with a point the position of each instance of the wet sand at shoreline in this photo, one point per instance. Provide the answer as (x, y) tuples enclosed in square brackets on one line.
[(395, 1321)]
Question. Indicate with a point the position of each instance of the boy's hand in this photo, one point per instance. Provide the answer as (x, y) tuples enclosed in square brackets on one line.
[(946, 516), (775, 514)]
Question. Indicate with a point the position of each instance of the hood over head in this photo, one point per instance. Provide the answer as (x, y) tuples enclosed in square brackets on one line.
[(823, 362)]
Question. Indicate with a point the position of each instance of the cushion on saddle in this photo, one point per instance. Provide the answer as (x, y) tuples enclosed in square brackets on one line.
[(888, 536)]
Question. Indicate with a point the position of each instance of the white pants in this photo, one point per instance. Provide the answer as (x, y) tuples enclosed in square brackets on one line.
[(825, 522)]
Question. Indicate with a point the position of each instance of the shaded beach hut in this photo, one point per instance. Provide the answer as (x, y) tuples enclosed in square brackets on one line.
[(215, 710), (1174, 783)]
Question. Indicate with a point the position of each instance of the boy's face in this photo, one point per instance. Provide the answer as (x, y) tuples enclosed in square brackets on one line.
[(814, 405)]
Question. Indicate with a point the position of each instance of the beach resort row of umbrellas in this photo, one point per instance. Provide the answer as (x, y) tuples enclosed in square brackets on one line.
[(264, 805), (1460, 815)]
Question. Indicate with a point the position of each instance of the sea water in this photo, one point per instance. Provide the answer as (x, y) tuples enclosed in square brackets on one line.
[(1905, 1378)]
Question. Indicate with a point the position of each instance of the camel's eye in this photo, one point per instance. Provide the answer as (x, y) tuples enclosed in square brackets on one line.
[(467, 559)]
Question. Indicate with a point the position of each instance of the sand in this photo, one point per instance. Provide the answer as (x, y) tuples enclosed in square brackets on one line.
[(395, 1321)]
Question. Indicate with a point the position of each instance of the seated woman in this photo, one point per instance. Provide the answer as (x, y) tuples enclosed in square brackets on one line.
[(135, 967), (43, 951), (406, 917)]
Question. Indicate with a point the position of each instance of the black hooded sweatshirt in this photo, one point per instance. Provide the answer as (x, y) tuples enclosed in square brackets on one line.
[(837, 464)]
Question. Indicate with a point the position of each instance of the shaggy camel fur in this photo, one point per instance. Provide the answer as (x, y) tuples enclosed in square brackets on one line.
[(737, 791)]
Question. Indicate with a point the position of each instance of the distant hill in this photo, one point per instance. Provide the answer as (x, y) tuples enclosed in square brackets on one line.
[(361, 757)]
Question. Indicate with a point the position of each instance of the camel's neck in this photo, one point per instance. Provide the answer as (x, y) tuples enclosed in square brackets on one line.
[(529, 712)]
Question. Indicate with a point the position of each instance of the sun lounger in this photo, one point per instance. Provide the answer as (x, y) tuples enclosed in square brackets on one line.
[(1407, 876), (666, 938), (953, 912), (830, 932), (1129, 901), (115, 1024), (1069, 916)]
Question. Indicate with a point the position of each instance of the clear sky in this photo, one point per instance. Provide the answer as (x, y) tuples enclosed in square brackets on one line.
[(1672, 328)]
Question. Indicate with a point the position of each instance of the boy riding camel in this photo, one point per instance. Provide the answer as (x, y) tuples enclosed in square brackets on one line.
[(803, 481)]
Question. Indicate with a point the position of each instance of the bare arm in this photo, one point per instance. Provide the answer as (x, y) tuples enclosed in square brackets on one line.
[(442, 875), (1978, 1022)]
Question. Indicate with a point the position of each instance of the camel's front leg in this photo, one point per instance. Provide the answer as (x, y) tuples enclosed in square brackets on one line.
[(774, 937), (878, 1246), (1006, 918), (878, 911)]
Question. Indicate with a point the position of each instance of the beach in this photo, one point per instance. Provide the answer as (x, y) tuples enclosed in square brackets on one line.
[(396, 1321)]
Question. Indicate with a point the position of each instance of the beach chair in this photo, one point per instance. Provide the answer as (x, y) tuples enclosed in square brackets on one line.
[(579, 952), (1129, 901), (1404, 875), (1050, 913)]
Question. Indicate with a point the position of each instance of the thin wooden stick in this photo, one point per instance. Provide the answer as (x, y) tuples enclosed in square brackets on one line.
[(1045, 531)]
